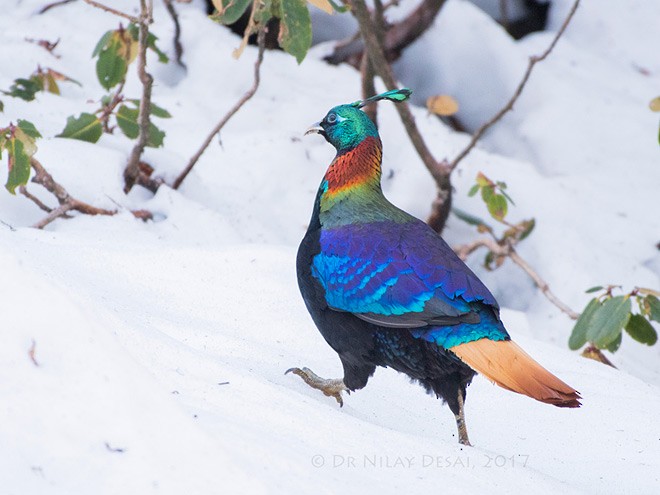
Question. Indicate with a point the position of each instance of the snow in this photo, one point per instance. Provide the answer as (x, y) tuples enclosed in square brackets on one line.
[(161, 346)]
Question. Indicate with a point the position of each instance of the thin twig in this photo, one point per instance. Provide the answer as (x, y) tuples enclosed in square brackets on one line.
[(32, 353), (49, 46), (49, 6), (132, 170), (131, 18), (23, 190), (178, 47), (439, 170), (9, 226), (506, 249), (60, 211), (533, 60), (397, 37), (66, 201), (261, 41), (541, 284), (116, 99)]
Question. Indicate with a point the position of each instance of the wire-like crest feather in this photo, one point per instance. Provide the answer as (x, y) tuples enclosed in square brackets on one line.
[(394, 95)]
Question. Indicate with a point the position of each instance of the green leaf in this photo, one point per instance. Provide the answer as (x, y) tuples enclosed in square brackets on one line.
[(156, 111), (641, 330), (609, 320), (497, 206), (19, 164), (2, 106), (266, 10), (111, 65), (87, 127), (504, 193), (483, 181), (102, 43), (127, 120), (474, 190), (528, 228), (579, 335), (594, 289), (134, 32), (467, 217), (295, 35), (652, 304), (489, 259), (151, 44), (156, 137), (25, 89), (28, 128), (229, 11), (615, 344), (487, 192)]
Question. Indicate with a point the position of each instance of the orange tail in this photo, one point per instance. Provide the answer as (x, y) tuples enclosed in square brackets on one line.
[(506, 364)]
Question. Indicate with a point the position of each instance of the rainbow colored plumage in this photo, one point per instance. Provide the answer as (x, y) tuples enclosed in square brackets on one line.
[(386, 290)]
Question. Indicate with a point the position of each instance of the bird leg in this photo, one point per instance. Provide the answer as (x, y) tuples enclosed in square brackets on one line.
[(330, 387), (460, 421)]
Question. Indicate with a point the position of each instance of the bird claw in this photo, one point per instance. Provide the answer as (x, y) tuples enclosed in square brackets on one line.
[(329, 387)]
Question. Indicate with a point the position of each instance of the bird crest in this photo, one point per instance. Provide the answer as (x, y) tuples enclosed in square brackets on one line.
[(395, 95)]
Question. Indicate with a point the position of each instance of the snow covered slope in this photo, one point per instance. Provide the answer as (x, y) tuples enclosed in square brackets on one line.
[(159, 348)]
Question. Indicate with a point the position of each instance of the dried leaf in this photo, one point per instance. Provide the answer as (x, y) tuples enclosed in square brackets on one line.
[(654, 105), (324, 5), (442, 105)]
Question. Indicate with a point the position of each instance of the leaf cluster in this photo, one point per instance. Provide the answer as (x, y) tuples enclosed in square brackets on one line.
[(493, 194), (606, 316), (115, 51), (40, 80), (295, 28), (19, 143), (496, 199)]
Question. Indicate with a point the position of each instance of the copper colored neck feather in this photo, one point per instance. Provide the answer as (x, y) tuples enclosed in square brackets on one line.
[(356, 167)]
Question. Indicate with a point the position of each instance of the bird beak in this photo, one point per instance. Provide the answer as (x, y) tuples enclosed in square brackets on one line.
[(315, 129)]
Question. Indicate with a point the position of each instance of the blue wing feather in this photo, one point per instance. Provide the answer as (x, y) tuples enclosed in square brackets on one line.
[(405, 275)]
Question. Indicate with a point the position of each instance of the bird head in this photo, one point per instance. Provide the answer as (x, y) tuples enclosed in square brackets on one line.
[(345, 126)]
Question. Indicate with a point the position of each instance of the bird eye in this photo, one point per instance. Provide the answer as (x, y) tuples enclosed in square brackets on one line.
[(332, 118)]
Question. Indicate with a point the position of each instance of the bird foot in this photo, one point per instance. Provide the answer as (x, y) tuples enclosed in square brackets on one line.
[(330, 387), (460, 422)]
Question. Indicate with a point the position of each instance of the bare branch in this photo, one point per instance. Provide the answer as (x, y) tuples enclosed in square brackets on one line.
[(533, 60), (132, 170), (261, 41), (439, 170), (9, 226), (178, 47), (119, 13), (49, 46), (32, 351), (66, 201), (542, 284), (506, 249), (49, 6), (23, 190), (107, 110), (396, 37), (60, 211)]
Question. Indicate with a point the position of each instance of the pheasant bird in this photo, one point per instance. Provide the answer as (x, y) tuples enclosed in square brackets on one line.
[(384, 289)]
